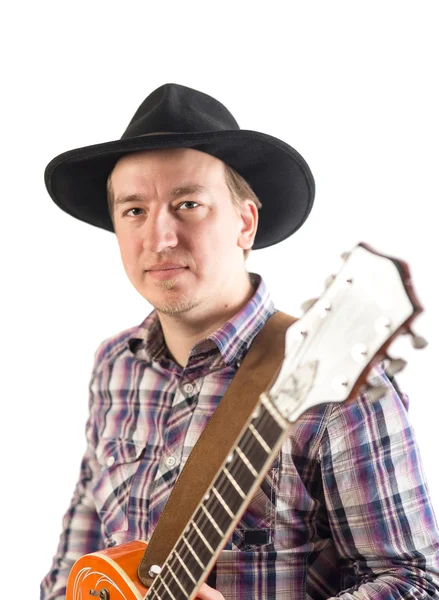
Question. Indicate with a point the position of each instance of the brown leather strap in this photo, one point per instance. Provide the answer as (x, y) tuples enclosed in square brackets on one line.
[(259, 366)]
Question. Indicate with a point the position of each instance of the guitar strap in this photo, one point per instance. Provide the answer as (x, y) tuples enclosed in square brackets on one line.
[(253, 377)]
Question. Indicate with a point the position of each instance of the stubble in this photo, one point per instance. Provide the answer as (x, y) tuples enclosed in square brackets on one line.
[(175, 307)]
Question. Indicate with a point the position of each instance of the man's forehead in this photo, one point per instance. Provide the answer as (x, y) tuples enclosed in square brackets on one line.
[(164, 155), (163, 166), (177, 192)]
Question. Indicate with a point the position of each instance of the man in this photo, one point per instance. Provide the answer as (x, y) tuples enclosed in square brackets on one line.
[(344, 509)]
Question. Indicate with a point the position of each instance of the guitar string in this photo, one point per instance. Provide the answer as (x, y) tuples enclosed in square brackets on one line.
[(183, 552), (246, 443), (248, 440), (186, 554)]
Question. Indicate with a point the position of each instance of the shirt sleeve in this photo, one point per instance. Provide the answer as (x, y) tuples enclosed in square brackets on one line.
[(379, 509), (81, 527)]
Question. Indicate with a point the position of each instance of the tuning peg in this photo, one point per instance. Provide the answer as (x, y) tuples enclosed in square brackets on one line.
[(418, 341), (328, 281), (375, 393), (395, 366), (308, 303)]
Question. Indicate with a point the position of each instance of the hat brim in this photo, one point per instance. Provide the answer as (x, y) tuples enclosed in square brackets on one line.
[(279, 176)]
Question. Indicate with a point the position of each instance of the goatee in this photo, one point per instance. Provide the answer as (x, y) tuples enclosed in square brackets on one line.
[(176, 307)]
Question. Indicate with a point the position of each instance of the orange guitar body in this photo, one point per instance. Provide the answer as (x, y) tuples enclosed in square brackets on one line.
[(113, 569)]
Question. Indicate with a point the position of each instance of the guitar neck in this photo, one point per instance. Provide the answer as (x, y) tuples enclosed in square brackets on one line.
[(217, 515)]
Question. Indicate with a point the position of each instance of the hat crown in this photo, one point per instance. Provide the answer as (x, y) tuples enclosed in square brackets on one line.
[(176, 116), (174, 108)]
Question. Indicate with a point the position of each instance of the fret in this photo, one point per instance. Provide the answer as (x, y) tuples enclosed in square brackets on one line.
[(224, 505), (197, 529), (246, 461), (228, 493), (194, 554), (240, 471), (185, 567), (177, 572), (253, 450), (259, 437), (208, 527), (177, 579), (199, 546), (168, 590), (216, 509), (268, 428), (234, 482), (212, 520), (152, 591)]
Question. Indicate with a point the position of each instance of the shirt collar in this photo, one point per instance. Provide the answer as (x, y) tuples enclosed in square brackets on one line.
[(235, 336), (226, 345)]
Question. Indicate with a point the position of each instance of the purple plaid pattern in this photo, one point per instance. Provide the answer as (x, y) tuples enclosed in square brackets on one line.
[(343, 511)]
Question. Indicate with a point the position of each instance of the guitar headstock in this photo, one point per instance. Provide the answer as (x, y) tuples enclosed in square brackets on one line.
[(332, 348)]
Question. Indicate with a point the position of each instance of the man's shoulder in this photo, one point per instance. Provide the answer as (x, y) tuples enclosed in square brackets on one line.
[(113, 347)]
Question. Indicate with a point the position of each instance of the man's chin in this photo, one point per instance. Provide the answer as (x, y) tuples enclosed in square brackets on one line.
[(175, 307)]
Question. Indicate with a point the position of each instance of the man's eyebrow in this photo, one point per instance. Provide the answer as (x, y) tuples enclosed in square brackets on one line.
[(131, 198), (181, 190), (185, 190)]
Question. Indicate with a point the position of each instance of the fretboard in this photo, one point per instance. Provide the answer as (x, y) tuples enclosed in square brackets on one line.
[(217, 515)]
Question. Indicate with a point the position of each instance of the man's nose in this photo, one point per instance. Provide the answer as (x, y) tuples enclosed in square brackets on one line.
[(159, 231)]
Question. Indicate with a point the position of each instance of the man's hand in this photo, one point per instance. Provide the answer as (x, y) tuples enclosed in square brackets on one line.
[(208, 593)]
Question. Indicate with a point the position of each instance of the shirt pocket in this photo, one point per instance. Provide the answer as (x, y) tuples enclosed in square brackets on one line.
[(118, 461), (265, 575), (255, 530)]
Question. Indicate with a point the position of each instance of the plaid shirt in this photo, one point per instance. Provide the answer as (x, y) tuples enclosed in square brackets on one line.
[(344, 509)]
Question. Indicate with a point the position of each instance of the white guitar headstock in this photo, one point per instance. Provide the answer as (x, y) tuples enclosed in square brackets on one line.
[(332, 348)]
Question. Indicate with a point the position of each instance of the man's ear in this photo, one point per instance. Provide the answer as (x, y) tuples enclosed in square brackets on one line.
[(249, 218)]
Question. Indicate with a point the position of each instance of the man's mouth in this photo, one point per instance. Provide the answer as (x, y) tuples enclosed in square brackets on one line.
[(166, 267), (166, 270)]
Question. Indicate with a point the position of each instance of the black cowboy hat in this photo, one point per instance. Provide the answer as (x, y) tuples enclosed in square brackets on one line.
[(180, 117)]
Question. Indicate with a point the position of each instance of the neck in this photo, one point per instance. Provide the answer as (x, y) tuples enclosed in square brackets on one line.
[(181, 332)]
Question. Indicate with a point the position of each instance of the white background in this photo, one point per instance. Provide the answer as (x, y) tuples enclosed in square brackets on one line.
[(351, 85)]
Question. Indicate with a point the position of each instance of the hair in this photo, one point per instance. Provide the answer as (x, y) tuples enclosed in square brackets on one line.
[(240, 190)]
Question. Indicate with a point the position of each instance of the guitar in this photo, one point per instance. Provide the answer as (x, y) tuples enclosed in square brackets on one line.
[(368, 304)]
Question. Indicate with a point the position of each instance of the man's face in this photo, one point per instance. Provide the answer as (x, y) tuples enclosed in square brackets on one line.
[(181, 237)]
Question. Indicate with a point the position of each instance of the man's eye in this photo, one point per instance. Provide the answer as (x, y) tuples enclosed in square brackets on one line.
[(131, 211), (188, 205)]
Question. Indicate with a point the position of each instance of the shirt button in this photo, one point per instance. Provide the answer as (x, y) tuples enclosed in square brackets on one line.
[(110, 461), (170, 461), (188, 388)]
